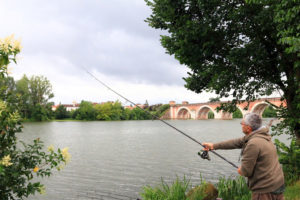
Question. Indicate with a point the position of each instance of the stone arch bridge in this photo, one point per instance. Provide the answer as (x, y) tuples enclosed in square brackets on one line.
[(200, 110)]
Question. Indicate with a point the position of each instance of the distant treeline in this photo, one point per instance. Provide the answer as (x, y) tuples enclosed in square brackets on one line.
[(30, 96), (110, 111)]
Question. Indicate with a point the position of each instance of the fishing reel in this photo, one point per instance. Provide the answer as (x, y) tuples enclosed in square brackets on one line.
[(204, 154)]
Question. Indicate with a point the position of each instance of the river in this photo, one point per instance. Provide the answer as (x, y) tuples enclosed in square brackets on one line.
[(114, 160)]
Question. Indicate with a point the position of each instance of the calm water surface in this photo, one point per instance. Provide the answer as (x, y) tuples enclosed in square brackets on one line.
[(114, 160)]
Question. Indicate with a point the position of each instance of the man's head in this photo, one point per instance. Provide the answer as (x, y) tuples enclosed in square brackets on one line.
[(251, 122)]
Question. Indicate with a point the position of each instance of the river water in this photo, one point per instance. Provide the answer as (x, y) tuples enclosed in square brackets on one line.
[(114, 160)]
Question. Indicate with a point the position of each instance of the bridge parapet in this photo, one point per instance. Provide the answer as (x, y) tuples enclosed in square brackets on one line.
[(201, 110)]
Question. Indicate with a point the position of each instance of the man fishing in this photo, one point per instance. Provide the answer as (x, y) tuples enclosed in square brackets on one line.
[(259, 159)]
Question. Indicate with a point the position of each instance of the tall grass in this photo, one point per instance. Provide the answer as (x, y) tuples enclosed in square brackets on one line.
[(228, 189), (292, 192), (233, 189), (163, 191)]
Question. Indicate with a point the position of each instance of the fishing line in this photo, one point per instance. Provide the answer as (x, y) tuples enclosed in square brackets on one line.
[(156, 117)]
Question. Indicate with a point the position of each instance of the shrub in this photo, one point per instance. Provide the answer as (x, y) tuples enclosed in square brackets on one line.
[(289, 157), (165, 192), (19, 165)]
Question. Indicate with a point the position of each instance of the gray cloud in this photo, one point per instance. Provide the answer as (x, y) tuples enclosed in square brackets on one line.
[(110, 36)]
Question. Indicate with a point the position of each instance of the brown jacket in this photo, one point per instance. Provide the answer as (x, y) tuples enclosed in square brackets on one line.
[(259, 160)]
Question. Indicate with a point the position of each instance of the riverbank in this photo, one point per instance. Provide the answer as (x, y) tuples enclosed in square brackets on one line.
[(226, 189), (83, 120), (67, 120)]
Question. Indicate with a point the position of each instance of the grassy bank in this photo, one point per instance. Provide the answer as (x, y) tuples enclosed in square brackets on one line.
[(227, 189)]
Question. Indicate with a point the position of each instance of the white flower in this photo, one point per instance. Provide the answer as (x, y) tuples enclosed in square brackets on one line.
[(6, 161), (66, 155), (51, 148)]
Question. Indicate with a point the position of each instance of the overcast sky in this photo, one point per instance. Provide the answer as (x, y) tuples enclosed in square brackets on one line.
[(108, 37)]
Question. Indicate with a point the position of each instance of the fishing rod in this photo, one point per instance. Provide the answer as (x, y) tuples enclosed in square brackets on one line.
[(204, 155)]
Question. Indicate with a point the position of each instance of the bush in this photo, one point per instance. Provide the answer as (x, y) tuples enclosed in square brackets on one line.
[(289, 157), (165, 192), (61, 112), (237, 114), (20, 165), (204, 191), (269, 112), (210, 115)]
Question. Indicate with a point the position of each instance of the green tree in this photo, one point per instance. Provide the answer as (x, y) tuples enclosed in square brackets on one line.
[(117, 111), (20, 163), (86, 111), (103, 111), (161, 110), (289, 157), (235, 48), (210, 115), (146, 104), (34, 94), (39, 113), (61, 112), (126, 114), (40, 90), (22, 91), (216, 99), (269, 112), (237, 114), (138, 114), (109, 111)]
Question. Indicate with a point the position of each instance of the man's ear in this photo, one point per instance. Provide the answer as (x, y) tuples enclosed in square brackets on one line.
[(249, 129)]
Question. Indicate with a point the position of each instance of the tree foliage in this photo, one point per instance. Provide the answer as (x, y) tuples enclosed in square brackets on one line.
[(237, 114), (61, 112), (235, 48), (212, 99), (114, 111), (20, 163), (85, 111), (269, 112), (34, 94), (289, 157)]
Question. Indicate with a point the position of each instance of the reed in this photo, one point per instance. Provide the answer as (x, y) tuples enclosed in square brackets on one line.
[(233, 189), (176, 191)]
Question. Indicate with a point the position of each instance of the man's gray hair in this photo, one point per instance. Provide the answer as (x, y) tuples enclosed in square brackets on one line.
[(253, 120)]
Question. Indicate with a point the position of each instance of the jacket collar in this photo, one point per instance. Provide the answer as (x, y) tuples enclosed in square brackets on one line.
[(262, 132)]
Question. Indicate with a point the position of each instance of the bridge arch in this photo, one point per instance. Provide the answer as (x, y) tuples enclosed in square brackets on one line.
[(183, 113), (242, 110), (226, 115), (259, 108), (202, 112)]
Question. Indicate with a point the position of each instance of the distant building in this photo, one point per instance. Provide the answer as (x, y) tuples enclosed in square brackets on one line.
[(132, 107), (75, 106), (69, 107)]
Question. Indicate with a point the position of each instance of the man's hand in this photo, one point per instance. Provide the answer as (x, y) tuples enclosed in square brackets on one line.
[(208, 146), (239, 171)]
